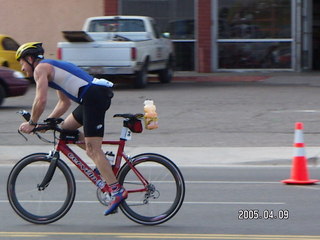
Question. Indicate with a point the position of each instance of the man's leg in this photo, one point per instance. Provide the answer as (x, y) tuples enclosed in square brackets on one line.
[(70, 123), (94, 151)]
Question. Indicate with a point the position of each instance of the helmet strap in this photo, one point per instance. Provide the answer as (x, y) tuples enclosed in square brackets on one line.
[(31, 64)]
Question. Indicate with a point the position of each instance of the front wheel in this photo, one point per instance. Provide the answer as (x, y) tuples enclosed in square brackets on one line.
[(40, 205), (161, 198)]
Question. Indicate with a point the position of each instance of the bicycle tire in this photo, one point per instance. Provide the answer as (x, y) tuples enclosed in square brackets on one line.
[(166, 184), (40, 206)]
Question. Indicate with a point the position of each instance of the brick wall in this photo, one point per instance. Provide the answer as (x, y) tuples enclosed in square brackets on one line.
[(111, 7), (204, 36)]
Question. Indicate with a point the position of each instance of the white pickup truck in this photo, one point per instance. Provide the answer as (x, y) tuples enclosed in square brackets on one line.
[(116, 46)]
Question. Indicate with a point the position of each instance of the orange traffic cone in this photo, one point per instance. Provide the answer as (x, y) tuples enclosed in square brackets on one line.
[(299, 171)]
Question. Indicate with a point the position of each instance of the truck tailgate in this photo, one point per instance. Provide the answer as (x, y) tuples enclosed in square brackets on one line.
[(97, 54)]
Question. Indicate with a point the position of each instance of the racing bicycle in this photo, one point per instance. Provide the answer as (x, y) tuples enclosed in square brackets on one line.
[(41, 187)]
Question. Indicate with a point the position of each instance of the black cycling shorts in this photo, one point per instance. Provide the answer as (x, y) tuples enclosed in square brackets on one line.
[(91, 111)]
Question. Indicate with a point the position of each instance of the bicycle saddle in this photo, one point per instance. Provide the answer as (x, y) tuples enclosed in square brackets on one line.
[(129, 115)]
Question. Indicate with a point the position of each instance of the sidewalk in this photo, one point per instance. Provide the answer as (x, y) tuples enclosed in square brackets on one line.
[(189, 156), (308, 77), (219, 77)]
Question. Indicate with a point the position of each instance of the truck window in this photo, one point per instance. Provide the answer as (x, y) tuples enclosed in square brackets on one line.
[(117, 25)]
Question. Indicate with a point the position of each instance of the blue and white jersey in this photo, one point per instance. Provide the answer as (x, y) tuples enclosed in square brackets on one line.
[(69, 79)]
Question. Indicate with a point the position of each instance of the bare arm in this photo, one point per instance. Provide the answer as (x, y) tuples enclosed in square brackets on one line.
[(61, 107), (41, 76)]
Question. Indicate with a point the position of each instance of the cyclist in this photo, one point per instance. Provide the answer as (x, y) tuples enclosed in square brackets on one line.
[(72, 83)]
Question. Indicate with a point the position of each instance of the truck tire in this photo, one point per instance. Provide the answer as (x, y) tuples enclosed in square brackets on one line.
[(141, 78), (165, 75)]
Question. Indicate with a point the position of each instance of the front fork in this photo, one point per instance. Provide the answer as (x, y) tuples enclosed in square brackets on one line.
[(54, 157)]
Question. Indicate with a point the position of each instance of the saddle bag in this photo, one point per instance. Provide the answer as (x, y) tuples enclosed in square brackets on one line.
[(134, 125)]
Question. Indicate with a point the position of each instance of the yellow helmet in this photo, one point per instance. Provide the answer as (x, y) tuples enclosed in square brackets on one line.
[(30, 49)]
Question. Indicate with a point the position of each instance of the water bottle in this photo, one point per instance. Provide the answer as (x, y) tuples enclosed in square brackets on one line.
[(150, 115), (110, 157)]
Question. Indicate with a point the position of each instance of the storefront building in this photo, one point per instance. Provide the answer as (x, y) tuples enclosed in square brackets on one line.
[(235, 35)]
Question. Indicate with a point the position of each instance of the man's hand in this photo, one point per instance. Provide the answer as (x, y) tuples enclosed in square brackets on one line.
[(26, 127)]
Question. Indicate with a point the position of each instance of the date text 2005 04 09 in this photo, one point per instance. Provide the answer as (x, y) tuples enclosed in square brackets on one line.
[(256, 214)]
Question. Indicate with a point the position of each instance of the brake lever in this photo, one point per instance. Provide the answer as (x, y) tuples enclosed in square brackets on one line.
[(26, 115), (22, 135), (25, 138)]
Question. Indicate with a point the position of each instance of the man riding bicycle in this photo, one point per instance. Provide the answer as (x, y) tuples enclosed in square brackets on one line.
[(72, 83)]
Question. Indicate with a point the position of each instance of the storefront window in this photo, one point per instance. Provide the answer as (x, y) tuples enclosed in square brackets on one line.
[(255, 19), (181, 29), (254, 34), (255, 55)]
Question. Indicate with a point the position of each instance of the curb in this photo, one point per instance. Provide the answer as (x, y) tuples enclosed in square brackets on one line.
[(188, 156), (209, 78)]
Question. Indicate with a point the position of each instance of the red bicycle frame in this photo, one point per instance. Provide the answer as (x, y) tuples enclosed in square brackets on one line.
[(94, 177)]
